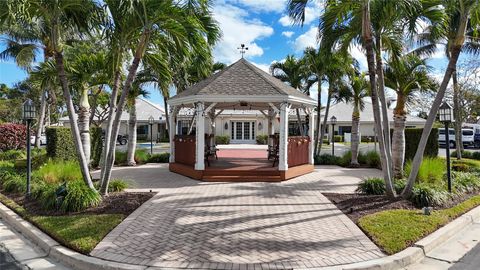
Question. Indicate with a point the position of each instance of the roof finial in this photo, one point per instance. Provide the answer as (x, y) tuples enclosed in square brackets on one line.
[(242, 49)]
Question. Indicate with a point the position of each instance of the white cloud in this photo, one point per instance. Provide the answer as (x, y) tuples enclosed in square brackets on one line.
[(307, 39), (310, 15), (276, 6), (264, 67), (356, 52), (288, 34), (237, 29)]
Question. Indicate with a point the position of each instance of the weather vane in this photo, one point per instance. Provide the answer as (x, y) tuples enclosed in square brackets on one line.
[(242, 49)]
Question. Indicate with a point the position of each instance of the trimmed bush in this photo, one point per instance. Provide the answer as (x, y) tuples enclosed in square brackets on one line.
[(326, 159), (262, 139), (338, 138), (141, 157), (60, 143), (13, 136), (159, 158), (372, 159), (476, 155), (371, 186), (412, 139), (431, 170), (222, 139)]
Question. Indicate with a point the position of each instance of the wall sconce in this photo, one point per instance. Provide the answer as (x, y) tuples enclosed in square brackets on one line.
[(225, 126), (260, 126)]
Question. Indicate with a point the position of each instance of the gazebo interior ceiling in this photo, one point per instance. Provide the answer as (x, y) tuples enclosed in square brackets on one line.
[(243, 105)]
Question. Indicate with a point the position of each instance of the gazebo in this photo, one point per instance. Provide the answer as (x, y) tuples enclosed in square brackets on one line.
[(242, 86)]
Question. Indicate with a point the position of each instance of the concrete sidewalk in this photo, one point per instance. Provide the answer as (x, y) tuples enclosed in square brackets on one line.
[(456, 253), (19, 253)]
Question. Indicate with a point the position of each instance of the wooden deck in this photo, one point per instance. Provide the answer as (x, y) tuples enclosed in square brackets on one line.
[(238, 165)]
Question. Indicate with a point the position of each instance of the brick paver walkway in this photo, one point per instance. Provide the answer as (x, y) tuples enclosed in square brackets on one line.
[(191, 224)]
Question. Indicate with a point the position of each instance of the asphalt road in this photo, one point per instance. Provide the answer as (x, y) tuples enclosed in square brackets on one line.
[(471, 260), (6, 261)]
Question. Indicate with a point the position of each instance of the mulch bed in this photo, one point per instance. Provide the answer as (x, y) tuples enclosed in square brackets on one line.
[(356, 206), (115, 203)]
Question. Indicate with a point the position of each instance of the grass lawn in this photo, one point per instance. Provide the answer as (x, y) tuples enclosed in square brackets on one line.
[(395, 230), (79, 232)]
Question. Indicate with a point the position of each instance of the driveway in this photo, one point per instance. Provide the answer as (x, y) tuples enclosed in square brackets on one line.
[(196, 224)]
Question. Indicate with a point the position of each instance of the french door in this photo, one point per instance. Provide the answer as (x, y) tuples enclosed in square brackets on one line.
[(243, 131)]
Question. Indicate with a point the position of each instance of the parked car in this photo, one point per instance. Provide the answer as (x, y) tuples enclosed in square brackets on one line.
[(476, 131), (121, 139), (43, 139), (467, 137)]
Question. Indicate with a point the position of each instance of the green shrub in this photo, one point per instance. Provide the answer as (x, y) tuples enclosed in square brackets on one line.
[(6, 167), (222, 139), (96, 146), (367, 139), (412, 138), (399, 185), (338, 138), (58, 172), (362, 158), (371, 186), (60, 143), (465, 154), (120, 158), (466, 182), (262, 139), (159, 158), (141, 156), (345, 159), (117, 185), (46, 194), (326, 159), (13, 154), (431, 170), (372, 159), (13, 182), (79, 197), (476, 155), (426, 195)]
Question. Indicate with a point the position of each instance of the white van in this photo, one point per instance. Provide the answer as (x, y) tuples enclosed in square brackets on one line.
[(476, 130), (468, 137)]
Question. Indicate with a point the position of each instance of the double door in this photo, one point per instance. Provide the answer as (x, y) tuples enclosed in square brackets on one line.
[(243, 131)]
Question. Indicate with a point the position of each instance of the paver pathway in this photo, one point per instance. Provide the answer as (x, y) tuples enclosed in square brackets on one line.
[(239, 225)]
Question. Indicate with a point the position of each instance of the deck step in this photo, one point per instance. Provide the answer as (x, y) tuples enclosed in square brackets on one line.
[(241, 178), (241, 172)]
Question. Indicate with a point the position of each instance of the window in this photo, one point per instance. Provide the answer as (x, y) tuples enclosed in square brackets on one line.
[(142, 130), (467, 132), (183, 126), (344, 129)]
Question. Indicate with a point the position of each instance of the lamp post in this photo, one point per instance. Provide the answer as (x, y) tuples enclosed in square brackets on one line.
[(446, 116), (28, 114), (333, 121), (150, 121)]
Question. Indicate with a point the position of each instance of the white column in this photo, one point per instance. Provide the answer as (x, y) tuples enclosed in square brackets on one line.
[(282, 153), (311, 132), (200, 137), (172, 132)]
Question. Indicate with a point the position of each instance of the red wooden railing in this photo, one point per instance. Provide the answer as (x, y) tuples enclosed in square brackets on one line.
[(298, 150), (185, 149)]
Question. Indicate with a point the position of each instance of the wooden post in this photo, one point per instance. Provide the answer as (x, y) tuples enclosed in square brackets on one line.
[(200, 137), (311, 132), (172, 132), (283, 153)]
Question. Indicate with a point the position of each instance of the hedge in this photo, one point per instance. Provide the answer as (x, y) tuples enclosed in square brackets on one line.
[(412, 138), (222, 139), (13, 136), (60, 144), (262, 139)]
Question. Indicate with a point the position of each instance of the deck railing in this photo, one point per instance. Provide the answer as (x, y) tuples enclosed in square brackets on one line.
[(185, 149), (298, 150)]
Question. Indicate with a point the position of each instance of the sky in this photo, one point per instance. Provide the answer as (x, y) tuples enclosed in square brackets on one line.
[(264, 27)]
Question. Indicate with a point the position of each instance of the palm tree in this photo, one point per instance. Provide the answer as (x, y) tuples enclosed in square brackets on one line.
[(463, 13), (136, 91), (355, 94), (59, 21), (149, 25), (293, 72), (406, 75)]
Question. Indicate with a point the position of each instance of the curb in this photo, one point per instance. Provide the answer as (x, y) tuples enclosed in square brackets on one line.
[(83, 262)]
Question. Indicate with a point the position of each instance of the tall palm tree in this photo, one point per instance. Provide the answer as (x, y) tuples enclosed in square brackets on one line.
[(59, 21), (407, 76), (293, 72), (355, 94), (149, 25), (136, 91), (465, 13)]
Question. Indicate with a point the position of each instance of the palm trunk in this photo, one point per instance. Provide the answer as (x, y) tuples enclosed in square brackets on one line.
[(299, 120), (116, 122), (398, 141), (73, 121), (417, 160), (41, 119), (108, 132), (383, 103), (84, 124), (317, 119), (368, 41), (325, 118), (132, 135), (457, 116), (166, 114), (355, 138)]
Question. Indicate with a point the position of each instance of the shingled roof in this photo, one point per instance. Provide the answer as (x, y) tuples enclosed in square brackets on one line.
[(242, 79)]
